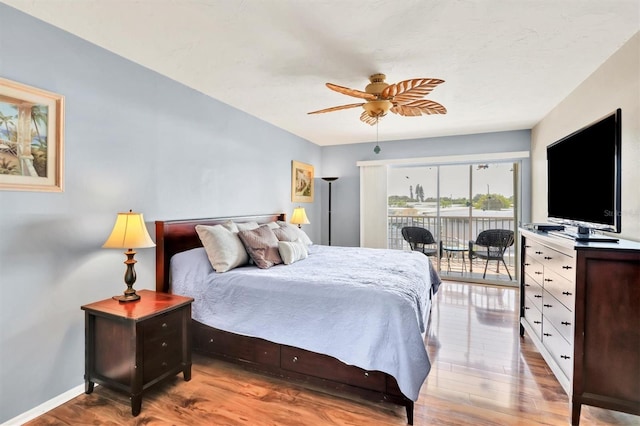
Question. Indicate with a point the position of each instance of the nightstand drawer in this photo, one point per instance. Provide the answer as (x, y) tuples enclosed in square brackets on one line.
[(162, 325), (160, 357)]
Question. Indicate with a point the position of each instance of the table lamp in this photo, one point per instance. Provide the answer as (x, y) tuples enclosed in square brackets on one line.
[(299, 217), (129, 232)]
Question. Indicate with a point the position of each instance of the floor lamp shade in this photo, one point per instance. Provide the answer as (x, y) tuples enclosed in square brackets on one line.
[(330, 180), (129, 232)]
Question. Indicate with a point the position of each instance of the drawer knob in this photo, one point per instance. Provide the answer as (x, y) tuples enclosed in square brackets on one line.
[(565, 323), (547, 258), (527, 264), (537, 322), (527, 285), (538, 252), (164, 344), (295, 359), (566, 293), (366, 374), (526, 307), (164, 325), (537, 295), (548, 280), (565, 357), (548, 306), (210, 340), (538, 273), (547, 334), (567, 267)]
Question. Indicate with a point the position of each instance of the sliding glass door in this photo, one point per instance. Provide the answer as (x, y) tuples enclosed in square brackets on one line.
[(456, 203)]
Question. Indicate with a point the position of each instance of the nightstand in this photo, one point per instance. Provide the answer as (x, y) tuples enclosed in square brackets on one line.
[(133, 345)]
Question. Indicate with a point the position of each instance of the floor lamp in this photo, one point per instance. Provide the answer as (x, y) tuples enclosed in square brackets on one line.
[(329, 179)]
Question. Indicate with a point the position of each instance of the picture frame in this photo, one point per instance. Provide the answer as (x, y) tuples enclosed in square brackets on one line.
[(302, 188), (31, 138)]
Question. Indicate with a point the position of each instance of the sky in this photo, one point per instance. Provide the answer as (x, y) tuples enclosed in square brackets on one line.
[(454, 180)]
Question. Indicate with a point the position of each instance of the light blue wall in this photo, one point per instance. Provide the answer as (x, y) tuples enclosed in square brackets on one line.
[(134, 140), (341, 161)]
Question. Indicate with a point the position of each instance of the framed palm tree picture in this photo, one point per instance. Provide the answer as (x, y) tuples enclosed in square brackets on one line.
[(301, 182), (31, 138)]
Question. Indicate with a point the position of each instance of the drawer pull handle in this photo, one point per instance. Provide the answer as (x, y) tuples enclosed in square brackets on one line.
[(526, 246), (526, 307), (164, 344), (565, 357), (537, 322), (295, 359), (565, 323), (566, 293), (527, 264), (567, 267), (548, 306), (538, 273), (538, 252), (548, 280), (164, 325), (527, 285), (366, 374), (547, 258), (537, 295), (547, 334)]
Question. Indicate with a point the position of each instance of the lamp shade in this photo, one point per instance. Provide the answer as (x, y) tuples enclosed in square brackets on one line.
[(129, 232), (299, 217)]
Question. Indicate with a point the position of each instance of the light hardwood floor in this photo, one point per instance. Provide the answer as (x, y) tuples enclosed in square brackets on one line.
[(483, 373)]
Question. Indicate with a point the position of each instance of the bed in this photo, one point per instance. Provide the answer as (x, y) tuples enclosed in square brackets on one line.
[(382, 359)]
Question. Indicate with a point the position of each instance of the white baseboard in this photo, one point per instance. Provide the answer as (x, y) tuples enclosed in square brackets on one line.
[(45, 406)]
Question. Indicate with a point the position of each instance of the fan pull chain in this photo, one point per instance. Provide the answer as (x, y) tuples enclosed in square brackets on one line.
[(377, 148)]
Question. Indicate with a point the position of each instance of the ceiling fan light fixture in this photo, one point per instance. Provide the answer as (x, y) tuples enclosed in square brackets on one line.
[(377, 108)]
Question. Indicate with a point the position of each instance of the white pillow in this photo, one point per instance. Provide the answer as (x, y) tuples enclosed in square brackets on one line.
[(302, 236), (273, 225), (292, 251), (224, 248), (247, 226)]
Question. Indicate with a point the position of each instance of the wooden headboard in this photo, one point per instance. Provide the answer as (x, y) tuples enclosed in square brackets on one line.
[(175, 236)]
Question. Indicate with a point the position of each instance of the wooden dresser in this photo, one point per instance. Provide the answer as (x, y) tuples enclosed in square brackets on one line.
[(580, 304), (132, 346)]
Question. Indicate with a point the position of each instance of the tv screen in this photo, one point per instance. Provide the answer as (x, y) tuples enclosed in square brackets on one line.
[(583, 180)]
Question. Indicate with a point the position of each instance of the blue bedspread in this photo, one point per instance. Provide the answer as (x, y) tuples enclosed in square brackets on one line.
[(365, 307)]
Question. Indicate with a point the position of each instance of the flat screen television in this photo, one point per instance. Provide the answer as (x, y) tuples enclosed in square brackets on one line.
[(584, 177)]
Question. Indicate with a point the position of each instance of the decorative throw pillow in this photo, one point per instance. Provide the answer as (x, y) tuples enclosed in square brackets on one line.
[(292, 251), (247, 226), (273, 225), (302, 236), (285, 234), (224, 248), (262, 245)]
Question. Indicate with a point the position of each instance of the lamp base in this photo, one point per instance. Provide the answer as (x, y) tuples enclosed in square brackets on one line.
[(127, 298)]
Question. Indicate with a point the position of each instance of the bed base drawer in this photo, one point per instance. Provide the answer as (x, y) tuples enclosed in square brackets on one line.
[(235, 347), (326, 367)]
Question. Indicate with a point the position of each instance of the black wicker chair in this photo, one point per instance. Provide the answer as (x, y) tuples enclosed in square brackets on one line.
[(420, 239), (491, 245)]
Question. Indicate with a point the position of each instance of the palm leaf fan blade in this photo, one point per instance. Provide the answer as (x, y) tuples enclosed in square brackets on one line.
[(351, 92), (410, 90), (336, 108)]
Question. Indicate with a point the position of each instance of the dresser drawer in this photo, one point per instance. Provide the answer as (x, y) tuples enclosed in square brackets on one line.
[(561, 264), (162, 325), (562, 289), (326, 367), (534, 270), (533, 291), (560, 349), (536, 250), (559, 316), (533, 316)]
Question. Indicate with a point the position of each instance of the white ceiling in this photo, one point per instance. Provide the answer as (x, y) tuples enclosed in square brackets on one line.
[(505, 63)]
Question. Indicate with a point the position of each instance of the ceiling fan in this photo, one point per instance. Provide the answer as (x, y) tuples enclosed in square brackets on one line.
[(403, 98)]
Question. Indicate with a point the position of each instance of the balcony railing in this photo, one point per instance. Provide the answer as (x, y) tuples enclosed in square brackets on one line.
[(456, 231)]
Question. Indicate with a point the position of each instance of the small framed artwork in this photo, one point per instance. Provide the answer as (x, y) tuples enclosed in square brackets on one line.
[(31, 138), (301, 182)]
